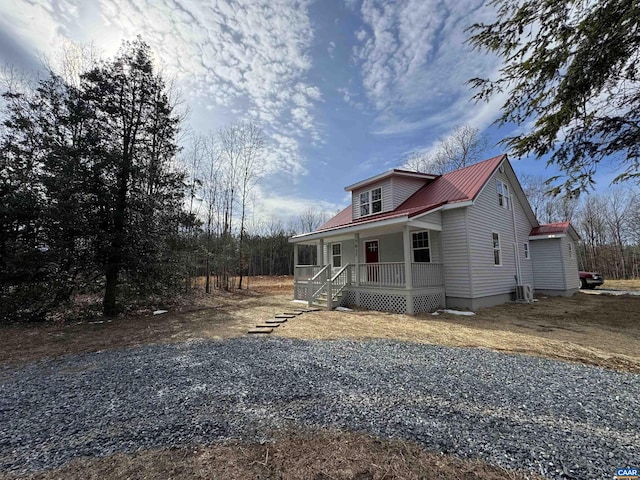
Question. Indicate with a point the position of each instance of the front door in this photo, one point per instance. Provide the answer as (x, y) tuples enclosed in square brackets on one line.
[(371, 257)]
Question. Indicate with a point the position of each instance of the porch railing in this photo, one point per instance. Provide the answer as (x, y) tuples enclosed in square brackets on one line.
[(382, 274), (426, 275), (338, 282), (317, 284), (387, 274), (392, 274), (305, 272)]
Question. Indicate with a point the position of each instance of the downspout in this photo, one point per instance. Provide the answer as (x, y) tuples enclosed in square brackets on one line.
[(515, 245)]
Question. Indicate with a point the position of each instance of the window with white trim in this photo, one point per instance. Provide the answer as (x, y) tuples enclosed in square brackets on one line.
[(336, 254), (497, 252), (503, 194), (371, 202), (527, 255), (421, 249), (570, 250)]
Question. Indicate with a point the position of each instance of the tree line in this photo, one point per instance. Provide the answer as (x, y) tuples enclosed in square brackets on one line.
[(608, 224)]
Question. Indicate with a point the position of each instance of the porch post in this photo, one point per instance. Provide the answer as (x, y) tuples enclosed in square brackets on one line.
[(356, 249), (408, 274), (320, 260)]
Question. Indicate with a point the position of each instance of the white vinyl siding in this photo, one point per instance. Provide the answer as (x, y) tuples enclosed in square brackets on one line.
[(570, 265), (455, 253), (485, 217), (403, 188), (553, 266), (385, 192), (548, 266), (391, 248)]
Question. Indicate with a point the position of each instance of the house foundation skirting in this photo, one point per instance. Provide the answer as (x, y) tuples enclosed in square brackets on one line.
[(395, 300), (473, 304)]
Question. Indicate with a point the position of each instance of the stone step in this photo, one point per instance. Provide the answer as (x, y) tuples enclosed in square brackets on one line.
[(268, 325), (292, 313), (282, 315), (262, 330), (276, 320)]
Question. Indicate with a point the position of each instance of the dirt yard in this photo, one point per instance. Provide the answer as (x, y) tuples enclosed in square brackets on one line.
[(294, 455), (597, 330)]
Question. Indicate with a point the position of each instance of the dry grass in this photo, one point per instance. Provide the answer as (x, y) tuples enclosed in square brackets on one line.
[(633, 285), (215, 316), (294, 455), (592, 329)]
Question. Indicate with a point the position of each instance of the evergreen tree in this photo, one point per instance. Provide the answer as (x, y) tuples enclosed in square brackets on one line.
[(138, 192), (571, 66), (90, 196)]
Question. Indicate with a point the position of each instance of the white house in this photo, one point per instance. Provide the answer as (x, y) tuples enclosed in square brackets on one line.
[(413, 242)]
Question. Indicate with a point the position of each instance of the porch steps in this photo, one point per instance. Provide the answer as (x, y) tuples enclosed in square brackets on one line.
[(321, 300)]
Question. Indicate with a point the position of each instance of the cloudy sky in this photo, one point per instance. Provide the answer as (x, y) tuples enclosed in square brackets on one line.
[(343, 89)]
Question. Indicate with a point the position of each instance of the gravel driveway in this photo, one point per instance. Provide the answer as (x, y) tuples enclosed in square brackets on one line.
[(516, 411)]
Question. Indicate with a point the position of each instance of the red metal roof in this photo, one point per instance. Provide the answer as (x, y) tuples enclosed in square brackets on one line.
[(550, 229), (458, 186)]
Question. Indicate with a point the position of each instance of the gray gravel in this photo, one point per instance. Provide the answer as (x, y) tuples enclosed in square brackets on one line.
[(521, 412)]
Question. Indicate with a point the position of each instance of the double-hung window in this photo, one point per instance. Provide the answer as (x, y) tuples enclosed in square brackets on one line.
[(497, 252), (371, 202), (336, 254), (503, 194), (421, 249), (527, 255)]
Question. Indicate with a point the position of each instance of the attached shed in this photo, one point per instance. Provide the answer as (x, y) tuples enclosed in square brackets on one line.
[(555, 260)]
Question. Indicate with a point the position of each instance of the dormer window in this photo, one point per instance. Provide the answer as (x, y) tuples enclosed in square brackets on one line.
[(503, 194), (371, 202)]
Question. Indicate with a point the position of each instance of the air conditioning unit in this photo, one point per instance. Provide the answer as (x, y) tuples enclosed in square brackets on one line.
[(524, 293)]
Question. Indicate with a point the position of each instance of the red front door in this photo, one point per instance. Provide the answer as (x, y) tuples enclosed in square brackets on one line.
[(371, 257)]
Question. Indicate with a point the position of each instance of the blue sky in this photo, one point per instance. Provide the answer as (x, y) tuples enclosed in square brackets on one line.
[(343, 89)]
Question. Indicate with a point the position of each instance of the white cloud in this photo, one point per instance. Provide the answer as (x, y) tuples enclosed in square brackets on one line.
[(289, 208), (415, 64), (251, 56)]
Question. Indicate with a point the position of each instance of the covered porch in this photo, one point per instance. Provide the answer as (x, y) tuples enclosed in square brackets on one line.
[(395, 267)]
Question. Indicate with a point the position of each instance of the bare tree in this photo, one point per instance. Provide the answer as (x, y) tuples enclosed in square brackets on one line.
[(535, 189), (418, 161), (618, 203), (463, 147), (546, 206), (70, 60), (311, 219), (250, 169)]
